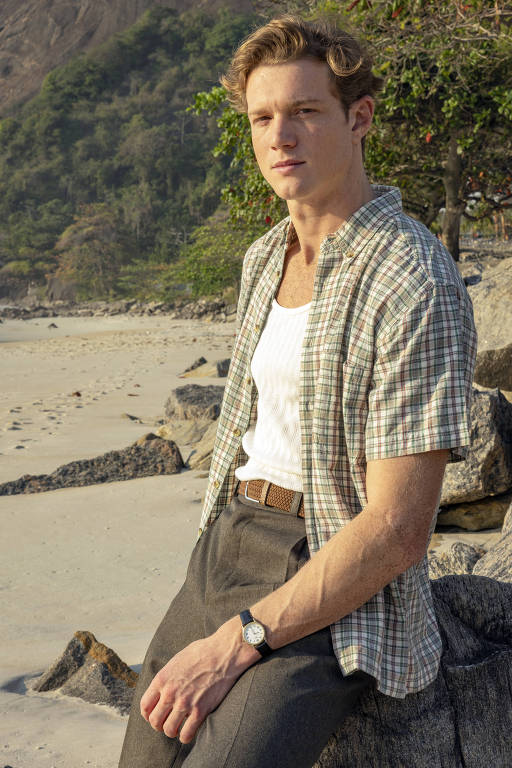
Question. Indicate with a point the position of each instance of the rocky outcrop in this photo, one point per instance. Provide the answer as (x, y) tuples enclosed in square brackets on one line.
[(218, 368), (464, 718), (494, 368), (149, 455), (90, 671), (193, 401), (477, 515), (488, 467), (202, 452), (208, 311), (460, 559), (493, 290), (497, 562)]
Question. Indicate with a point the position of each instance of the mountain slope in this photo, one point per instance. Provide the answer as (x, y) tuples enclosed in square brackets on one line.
[(38, 35)]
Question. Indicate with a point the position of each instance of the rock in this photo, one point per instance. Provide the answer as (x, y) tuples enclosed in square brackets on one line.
[(193, 401), (459, 560), (488, 467), (494, 290), (90, 671), (149, 455), (497, 562), (202, 454), (132, 418), (464, 718), (219, 368), (200, 361), (507, 522), (478, 515), (494, 368), (184, 432)]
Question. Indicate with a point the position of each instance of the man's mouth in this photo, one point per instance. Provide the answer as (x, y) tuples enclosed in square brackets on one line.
[(288, 163)]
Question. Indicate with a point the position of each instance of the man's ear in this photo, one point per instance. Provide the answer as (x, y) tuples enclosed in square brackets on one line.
[(361, 114)]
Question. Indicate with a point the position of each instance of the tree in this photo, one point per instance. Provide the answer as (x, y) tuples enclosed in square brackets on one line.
[(92, 250), (443, 127), (212, 261)]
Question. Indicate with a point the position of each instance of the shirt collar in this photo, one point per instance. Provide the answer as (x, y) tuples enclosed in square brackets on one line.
[(354, 232)]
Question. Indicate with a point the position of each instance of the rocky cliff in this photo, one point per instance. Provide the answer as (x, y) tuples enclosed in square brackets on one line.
[(39, 35)]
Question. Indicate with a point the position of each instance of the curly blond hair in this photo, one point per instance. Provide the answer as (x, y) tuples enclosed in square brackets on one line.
[(288, 38)]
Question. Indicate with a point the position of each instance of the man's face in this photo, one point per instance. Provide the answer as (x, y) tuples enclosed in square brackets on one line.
[(306, 148)]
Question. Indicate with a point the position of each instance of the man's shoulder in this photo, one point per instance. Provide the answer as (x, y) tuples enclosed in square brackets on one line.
[(412, 258)]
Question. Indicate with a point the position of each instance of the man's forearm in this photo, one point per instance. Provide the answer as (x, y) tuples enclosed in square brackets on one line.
[(353, 566)]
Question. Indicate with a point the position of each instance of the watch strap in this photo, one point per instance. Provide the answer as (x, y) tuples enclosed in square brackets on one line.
[(263, 648)]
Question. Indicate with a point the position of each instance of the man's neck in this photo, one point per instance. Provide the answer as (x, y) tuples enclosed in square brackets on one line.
[(312, 223)]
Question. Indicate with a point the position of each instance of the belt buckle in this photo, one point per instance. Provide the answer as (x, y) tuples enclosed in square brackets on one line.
[(249, 497)]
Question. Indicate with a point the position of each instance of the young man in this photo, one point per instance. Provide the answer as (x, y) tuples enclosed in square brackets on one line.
[(348, 392)]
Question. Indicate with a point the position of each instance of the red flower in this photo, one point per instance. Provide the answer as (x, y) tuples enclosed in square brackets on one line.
[(428, 137), (396, 13), (268, 220)]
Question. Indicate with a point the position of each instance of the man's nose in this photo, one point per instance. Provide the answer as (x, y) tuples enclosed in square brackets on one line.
[(283, 133)]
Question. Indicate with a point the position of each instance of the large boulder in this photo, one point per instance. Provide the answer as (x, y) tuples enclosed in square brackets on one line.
[(497, 562), (149, 455), (477, 515), (202, 454), (488, 467), (494, 290), (464, 718), (90, 671), (193, 401), (493, 367), (460, 559)]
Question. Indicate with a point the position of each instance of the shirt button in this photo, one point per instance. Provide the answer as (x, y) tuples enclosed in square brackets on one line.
[(249, 380), (257, 328), (350, 255), (216, 483), (236, 432), (200, 532)]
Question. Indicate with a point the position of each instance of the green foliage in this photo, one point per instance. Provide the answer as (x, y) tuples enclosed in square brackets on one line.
[(92, 251), (112, 128), (212, 261)]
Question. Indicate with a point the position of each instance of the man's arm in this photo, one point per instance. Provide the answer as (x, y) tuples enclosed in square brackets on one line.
[(387, 537)]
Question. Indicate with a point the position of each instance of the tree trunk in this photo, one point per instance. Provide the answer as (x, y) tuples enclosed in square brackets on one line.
[(454, 206)]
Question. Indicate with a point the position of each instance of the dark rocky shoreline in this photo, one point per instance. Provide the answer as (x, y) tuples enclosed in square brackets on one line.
[(213, 310)]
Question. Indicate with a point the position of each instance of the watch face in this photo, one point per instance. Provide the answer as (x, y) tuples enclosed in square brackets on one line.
[(254, 634)]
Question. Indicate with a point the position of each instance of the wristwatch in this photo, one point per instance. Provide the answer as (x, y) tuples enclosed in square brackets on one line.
[(253, 633)]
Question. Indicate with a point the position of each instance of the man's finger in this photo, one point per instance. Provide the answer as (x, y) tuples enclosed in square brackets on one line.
[(160, 713), (173, 722), (148, 702), (190, 726)]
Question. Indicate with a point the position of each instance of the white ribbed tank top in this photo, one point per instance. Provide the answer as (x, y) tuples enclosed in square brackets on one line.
[(273, 444)]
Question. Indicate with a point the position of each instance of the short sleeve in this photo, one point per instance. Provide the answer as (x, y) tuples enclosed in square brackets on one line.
[(420, 398)]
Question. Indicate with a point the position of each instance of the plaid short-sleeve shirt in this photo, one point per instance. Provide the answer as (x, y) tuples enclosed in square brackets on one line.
[(386, 370)]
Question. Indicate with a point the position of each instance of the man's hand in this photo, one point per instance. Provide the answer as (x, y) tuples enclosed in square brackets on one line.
[(194, 682)]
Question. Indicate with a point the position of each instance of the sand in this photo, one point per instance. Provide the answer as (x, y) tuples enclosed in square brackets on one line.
[(105, 558)]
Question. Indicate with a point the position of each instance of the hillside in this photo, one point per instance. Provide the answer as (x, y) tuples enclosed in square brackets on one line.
[(38, 35), (105, 174)]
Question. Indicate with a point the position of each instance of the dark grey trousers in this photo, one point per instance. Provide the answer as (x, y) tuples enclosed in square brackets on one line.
[(282, 710)]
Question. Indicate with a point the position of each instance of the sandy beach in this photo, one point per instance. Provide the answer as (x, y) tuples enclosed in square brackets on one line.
[(104, 558)]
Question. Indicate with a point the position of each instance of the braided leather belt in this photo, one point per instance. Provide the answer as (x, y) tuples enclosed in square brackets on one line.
[(272, 495)]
